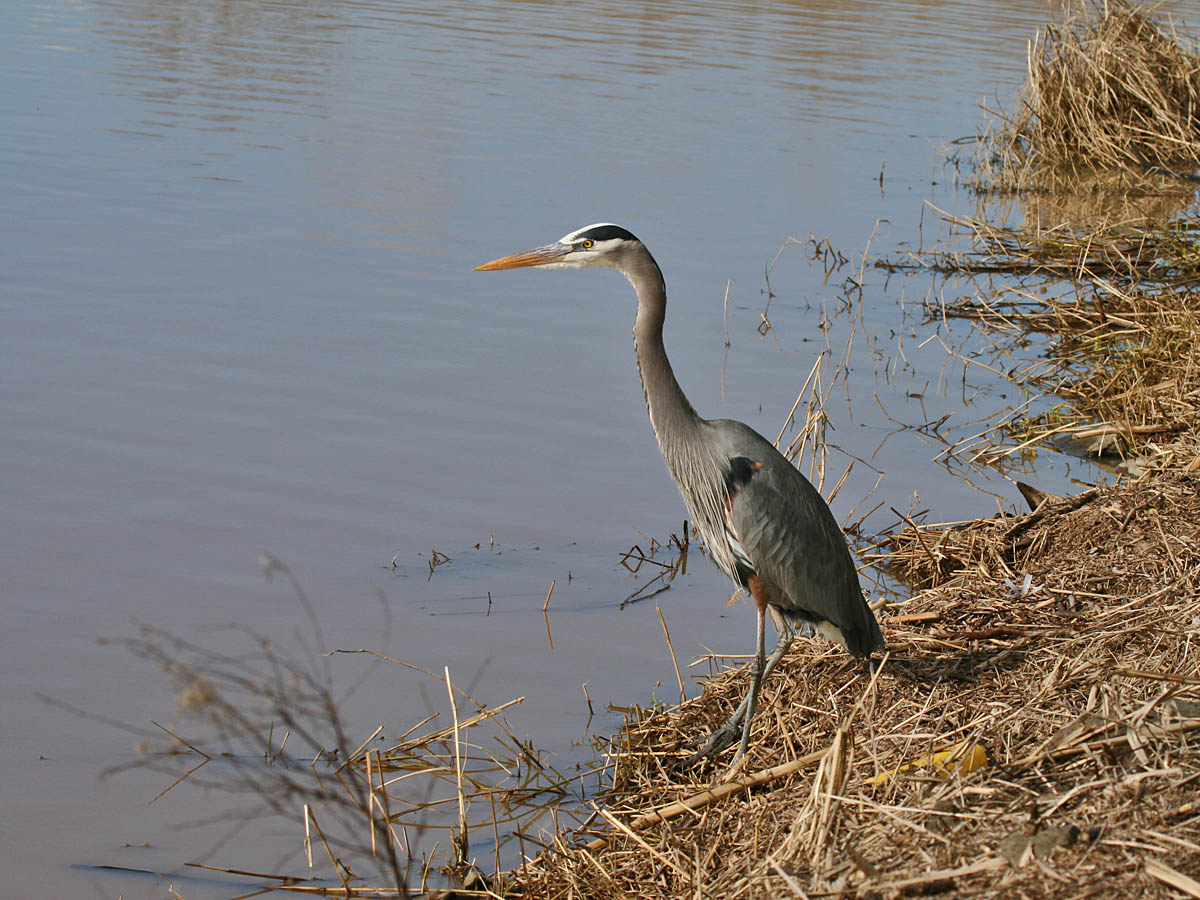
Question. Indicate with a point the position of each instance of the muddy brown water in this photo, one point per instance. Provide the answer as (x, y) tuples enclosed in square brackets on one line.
[(240, 316)]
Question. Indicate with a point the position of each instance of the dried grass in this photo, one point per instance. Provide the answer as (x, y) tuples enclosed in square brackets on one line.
[(1110, 90), (1060, 644)]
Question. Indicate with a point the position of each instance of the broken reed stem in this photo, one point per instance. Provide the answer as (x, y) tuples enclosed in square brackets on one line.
[(1176, 879), (462, 844), (361, 747), (588, 698), (307, 836), (371, 803), (546, 605), (408, 746), (629, 832), (248, 873), (380, 795), (309, 816), (712, 795), (674, 661), (812, 373)]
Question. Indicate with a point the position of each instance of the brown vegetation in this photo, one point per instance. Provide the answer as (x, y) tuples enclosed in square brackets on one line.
[(1122, 349), (1110, 91)]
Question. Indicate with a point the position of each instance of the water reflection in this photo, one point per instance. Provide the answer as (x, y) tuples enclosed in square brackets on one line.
[(1094, 201), (219, 66)]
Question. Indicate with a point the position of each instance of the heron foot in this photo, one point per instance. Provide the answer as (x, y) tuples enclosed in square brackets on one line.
[(738, 724), (722, 737), (716, 742)]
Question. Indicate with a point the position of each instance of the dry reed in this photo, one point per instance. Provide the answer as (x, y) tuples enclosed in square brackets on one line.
[(1115, 313), (1110, 90)]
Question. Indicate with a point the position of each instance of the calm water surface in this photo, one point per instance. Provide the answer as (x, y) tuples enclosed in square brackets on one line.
[(240, 316)]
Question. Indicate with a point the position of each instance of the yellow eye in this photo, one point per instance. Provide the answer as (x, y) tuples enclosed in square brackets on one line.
[(587, 244)]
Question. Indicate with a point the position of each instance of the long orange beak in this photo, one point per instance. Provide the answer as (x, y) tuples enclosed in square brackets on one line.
[(539, 256)]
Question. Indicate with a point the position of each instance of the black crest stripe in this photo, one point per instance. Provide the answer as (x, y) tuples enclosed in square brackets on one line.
[(606, 233)]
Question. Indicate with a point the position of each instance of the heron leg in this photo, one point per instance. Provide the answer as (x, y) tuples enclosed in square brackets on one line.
[(740, 720), (785, 631), (756, 677)]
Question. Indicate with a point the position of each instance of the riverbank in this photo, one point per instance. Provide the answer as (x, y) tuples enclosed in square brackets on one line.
[(1031, 731)]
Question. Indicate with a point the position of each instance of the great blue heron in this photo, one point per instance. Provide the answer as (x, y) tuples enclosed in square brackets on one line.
[(763, 523)]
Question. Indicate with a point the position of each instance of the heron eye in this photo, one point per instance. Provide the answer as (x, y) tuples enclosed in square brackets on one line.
[(587, 244)]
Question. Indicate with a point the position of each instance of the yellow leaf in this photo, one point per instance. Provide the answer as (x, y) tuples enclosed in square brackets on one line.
[(962, 758)]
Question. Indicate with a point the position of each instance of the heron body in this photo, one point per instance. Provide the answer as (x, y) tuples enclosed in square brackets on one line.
[(763, 522)]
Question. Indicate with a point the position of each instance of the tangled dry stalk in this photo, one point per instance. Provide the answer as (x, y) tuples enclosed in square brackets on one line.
[(1121, 353), (375, 816)]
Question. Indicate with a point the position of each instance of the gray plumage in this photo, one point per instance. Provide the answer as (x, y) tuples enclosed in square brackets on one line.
[(763, 523), (798, 550)]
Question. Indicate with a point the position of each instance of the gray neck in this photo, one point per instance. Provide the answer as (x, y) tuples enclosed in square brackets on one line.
[(689, 449), (671, 415)]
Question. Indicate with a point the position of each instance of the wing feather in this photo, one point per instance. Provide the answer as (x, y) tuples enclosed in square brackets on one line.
[(780, 523)]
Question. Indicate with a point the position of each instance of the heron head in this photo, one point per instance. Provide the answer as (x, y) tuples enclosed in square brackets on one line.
[(602, 244)]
